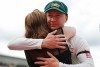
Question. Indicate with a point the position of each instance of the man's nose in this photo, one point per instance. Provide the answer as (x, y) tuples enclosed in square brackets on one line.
[(53, 19)]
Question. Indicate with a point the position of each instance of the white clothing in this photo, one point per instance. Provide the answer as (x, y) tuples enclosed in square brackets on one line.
[(25, 44), (76, 43)]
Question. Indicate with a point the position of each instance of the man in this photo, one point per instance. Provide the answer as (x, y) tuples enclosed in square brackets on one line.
[(57, 15)]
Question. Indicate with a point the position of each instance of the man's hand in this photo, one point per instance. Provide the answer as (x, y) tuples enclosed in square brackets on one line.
[(54, 41), (48, 62)]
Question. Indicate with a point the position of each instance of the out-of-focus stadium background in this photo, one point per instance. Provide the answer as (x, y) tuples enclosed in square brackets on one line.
[(84, 15)]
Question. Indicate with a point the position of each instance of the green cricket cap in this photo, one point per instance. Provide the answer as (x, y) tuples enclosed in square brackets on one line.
[(57, 5)]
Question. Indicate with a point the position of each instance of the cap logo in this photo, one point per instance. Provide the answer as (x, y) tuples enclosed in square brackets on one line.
[(55, 5)]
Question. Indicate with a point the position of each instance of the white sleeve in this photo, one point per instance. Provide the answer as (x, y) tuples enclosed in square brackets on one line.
[(25, 44), (87, 63), (84, 59), (77, 65)]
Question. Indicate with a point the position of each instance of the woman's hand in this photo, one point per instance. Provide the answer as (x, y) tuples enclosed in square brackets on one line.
[(53, 41)]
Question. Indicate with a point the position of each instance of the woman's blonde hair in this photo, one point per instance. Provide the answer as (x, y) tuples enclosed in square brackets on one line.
[(36, 25)]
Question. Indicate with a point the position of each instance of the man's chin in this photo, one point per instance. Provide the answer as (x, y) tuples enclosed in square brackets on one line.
[(53, 28)]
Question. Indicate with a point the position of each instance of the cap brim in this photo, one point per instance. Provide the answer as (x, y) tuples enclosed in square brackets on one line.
[(54, 8)]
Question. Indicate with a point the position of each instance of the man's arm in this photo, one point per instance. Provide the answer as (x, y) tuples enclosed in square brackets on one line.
[(82, 52), (85, 59)]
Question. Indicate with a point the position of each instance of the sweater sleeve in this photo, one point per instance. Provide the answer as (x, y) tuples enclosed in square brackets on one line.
[(25, 44), (84, 64), (84, 59)]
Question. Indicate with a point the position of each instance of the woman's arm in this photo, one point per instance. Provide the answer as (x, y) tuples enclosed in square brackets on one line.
[(25, 44), (51, 41)]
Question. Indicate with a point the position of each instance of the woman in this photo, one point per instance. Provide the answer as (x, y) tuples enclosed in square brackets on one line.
[(36, 27)]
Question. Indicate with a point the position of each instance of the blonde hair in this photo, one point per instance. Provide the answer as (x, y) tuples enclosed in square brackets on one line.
[(36, 25)]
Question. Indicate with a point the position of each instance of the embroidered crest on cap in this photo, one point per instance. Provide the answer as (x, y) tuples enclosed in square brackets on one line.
[(55, 5)]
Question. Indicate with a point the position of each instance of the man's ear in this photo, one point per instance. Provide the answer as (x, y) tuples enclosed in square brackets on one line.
[(66, 18)]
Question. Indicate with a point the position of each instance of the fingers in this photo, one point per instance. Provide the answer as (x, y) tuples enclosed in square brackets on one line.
[(60, 36), (44, 66), (61, 47), (44, 59), (62, 43), (50, 54), (61, 39), (41, 63), (41, 58)]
